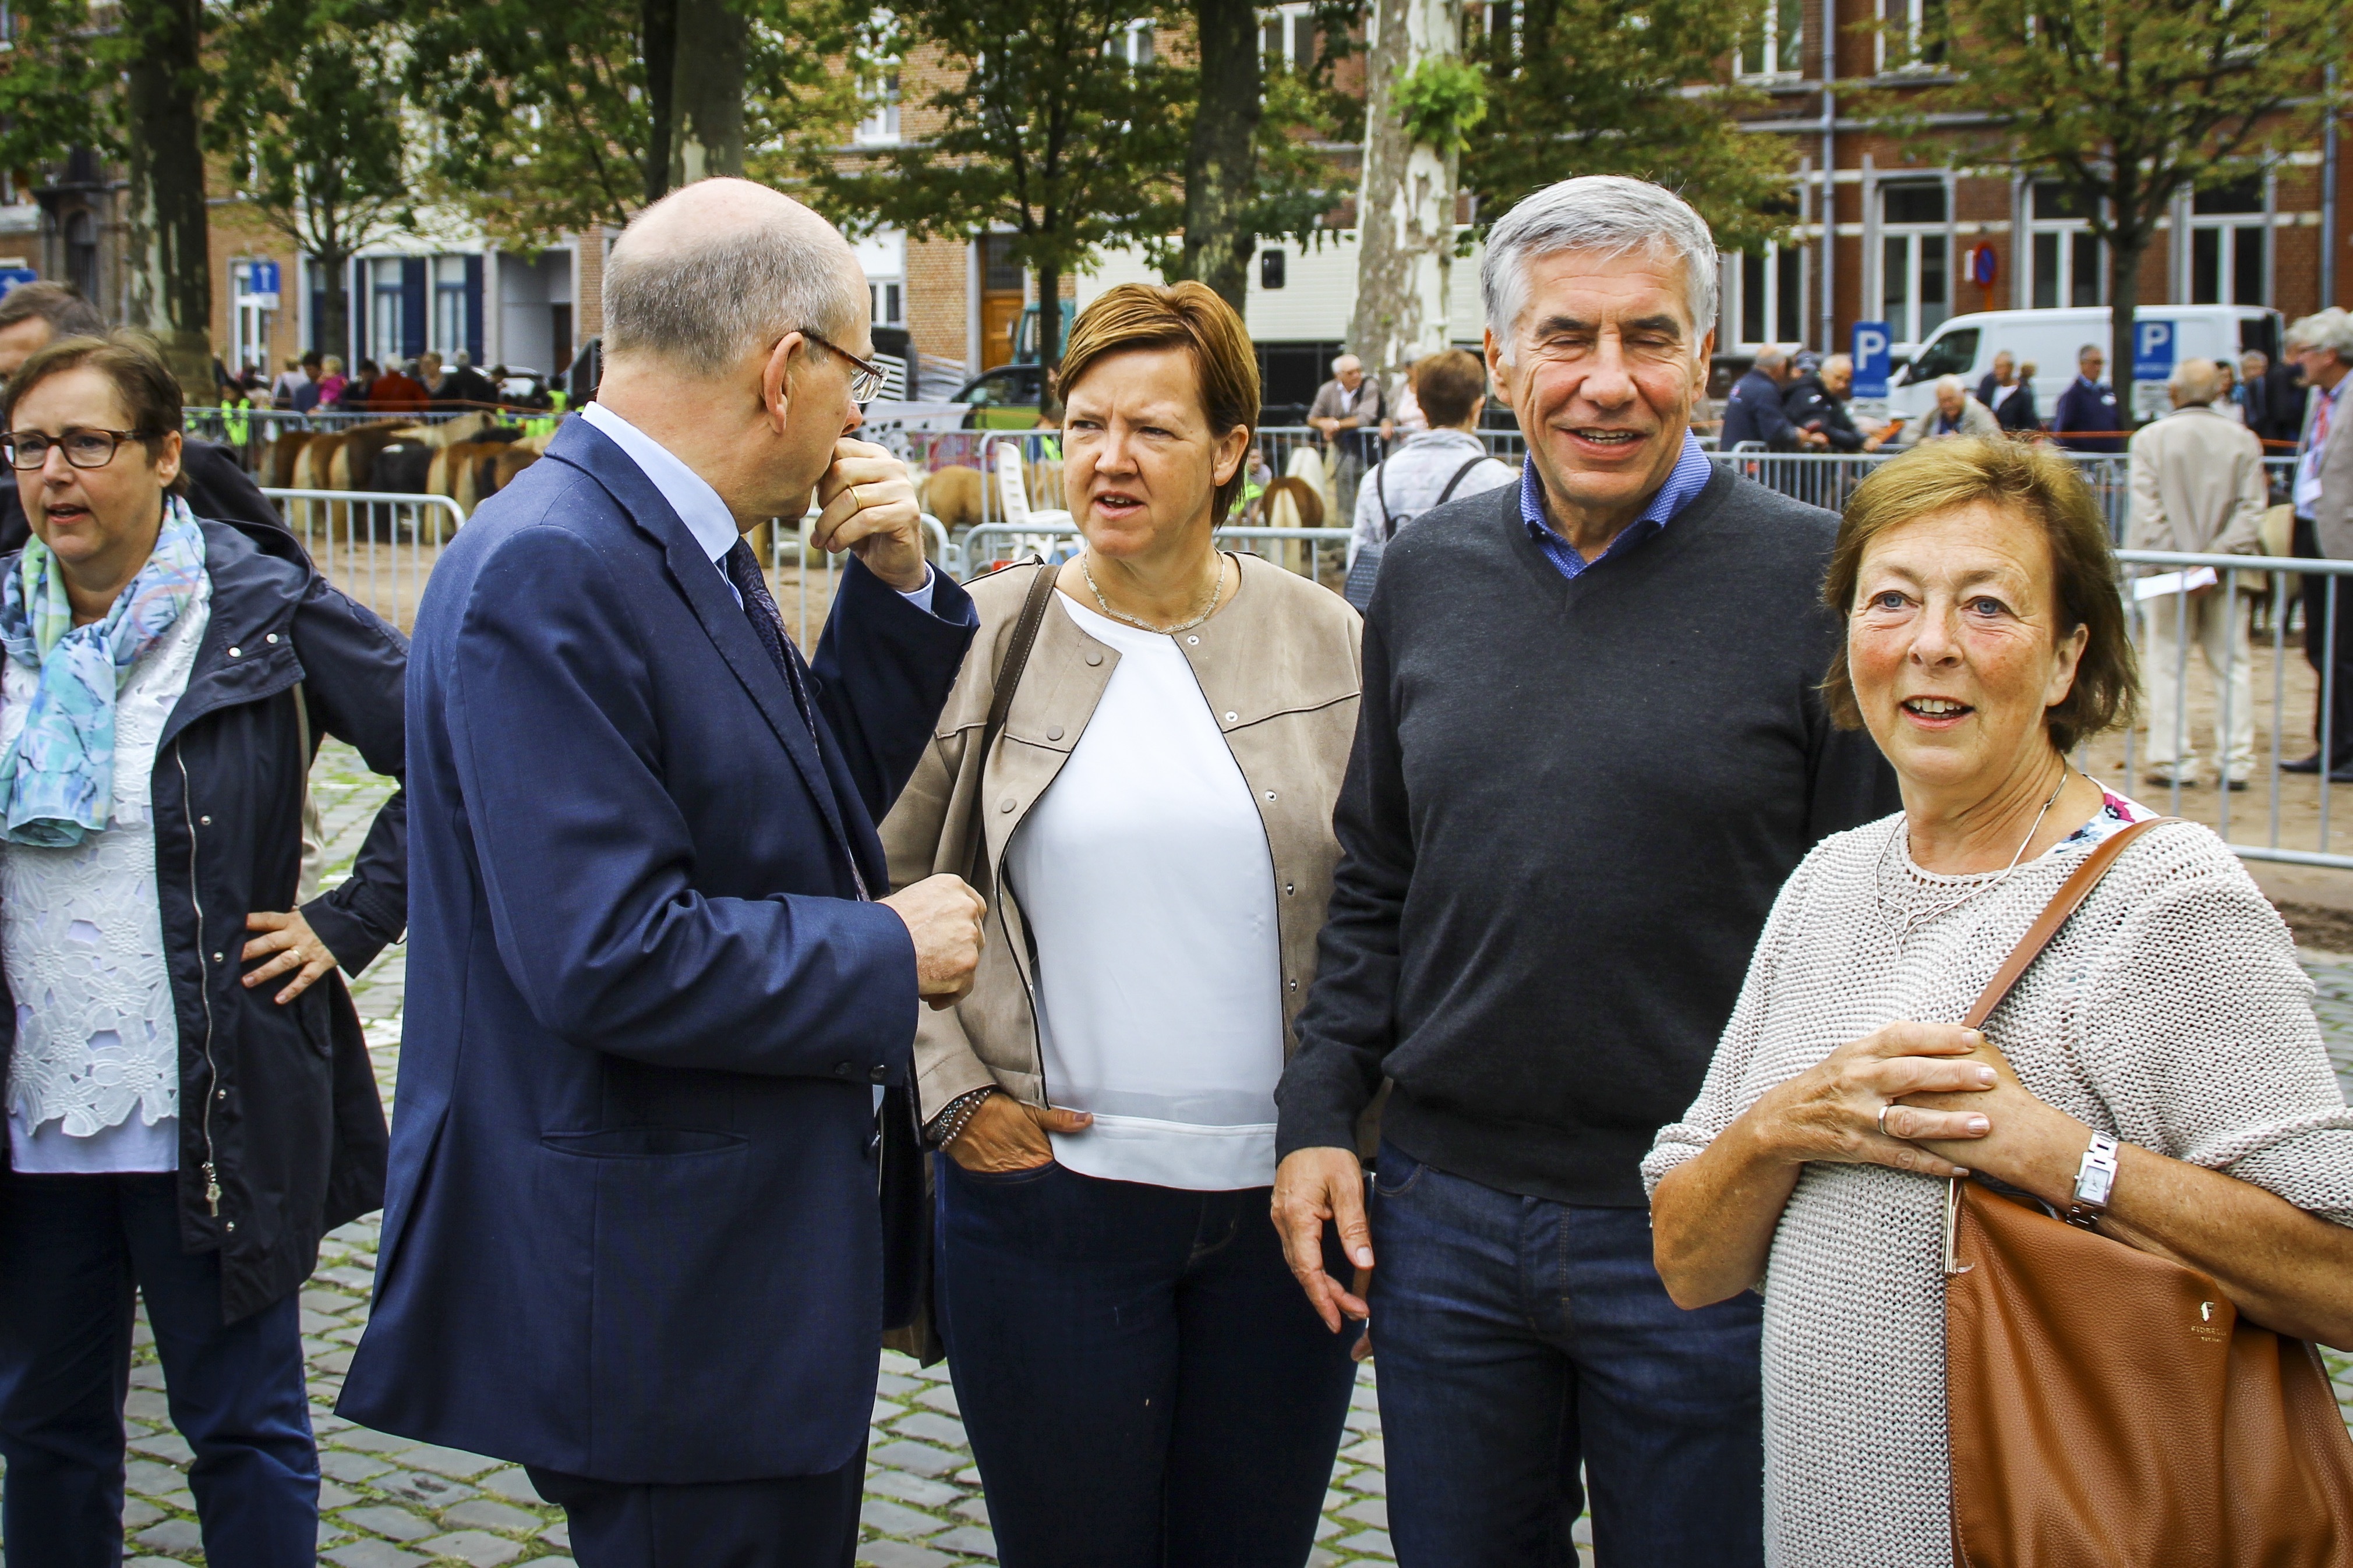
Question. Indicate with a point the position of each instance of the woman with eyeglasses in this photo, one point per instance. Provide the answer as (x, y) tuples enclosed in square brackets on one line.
[(188, 1097)]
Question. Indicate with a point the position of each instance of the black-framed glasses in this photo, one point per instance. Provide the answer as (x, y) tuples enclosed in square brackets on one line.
[(866, 382), (28, 450)]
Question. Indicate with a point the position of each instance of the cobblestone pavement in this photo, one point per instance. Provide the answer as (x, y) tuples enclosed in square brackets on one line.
[(386, 1502)]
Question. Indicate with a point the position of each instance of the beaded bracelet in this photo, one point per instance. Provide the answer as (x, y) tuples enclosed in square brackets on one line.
[(949, 1124)]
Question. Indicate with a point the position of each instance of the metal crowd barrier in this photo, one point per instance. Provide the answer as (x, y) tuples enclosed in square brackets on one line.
[(995, 544), (378, 546), (2259, 595)]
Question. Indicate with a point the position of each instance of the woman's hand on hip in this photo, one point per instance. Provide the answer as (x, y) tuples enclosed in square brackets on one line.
[(290, 944), (1842, 1109), (1006, 1135)]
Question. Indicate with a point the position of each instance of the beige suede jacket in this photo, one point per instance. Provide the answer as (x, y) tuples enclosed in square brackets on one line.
[(1279, 668)]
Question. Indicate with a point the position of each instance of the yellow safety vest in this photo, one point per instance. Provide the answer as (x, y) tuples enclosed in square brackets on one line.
[(236, 422)]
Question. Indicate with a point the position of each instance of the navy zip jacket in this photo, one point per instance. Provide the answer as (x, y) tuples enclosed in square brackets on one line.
[(636, 1221), (279, 1103), (1754, 413)]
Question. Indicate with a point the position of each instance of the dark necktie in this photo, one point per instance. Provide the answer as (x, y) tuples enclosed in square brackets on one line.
[(743, 569)]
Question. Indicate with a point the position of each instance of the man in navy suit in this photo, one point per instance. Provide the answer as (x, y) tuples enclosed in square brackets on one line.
[(654, 1184), (2088, 408)]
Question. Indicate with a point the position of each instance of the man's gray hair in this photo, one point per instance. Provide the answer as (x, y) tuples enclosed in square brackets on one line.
[(2087, 351), (1770, 360), (2329, 328), (1607, 215), (1345, 359), (1837, 361), (2195, 383), (704, 303), (1945, 383)]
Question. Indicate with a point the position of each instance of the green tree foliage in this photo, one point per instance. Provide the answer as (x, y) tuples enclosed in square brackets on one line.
[(59, 84), (2122, 103), (554, 119), (1598, 87), (305, 127), (1044, 128)]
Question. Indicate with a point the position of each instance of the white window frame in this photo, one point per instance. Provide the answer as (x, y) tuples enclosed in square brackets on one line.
[(446, 281), (2067, 234), (1777, 50), (2224, 229), (1296, 37), (1909, 19), (1135, 44), (881, 90), (386, 307), (1747, 334), (248, 324), (1908, 319)]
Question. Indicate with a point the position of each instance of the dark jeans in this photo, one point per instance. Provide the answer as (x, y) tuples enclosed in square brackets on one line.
[(72, 1251), (2319, 648), (1143, 1383), (1517, 1337), (788, 1521)]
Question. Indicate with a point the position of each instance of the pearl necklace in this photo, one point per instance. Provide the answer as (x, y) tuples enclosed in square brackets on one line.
[(1209, 605)]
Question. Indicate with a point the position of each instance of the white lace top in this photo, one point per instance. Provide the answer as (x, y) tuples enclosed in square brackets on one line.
[(2169, 1012), (94, 1081)]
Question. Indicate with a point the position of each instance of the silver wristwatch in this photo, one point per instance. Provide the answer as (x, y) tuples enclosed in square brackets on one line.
[(2094, 1179)]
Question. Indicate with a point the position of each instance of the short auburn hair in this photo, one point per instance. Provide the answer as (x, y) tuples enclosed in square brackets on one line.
[(1448, 385), (149, 391), (2029, 482), (1185, 315)]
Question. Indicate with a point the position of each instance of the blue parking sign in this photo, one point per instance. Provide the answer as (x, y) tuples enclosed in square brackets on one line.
[(12, 278), (2152, 350), (1872, 346)]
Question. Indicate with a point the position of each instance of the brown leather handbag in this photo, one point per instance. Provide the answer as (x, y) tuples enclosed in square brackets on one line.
[(2109, 1407)]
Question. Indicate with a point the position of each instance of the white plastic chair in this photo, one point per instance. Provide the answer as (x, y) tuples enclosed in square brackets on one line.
[(1013, 501)]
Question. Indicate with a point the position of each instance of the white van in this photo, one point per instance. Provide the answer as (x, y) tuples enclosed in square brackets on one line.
[(1965, 346)]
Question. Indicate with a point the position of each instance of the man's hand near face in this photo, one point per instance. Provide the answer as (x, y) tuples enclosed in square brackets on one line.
[(869, 508)]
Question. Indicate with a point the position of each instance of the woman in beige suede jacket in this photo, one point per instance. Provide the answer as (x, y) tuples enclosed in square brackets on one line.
[(1141, 1379)]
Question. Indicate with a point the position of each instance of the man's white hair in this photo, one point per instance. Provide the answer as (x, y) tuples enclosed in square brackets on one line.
[(2329, 328), (1345, 360), (1837, 361), (1945, 383), (704, 299), (2195, 381), (1607, 214)]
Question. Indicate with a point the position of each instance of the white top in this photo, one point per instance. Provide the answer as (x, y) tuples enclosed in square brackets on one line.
[(2306, 494), (81, 933), (690, 496), (2169, 1013), (1144, 876)]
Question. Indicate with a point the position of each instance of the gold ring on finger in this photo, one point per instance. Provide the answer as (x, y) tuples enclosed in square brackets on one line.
[(856, 500)]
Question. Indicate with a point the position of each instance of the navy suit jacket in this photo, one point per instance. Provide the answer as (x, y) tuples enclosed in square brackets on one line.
[(632, 1229), (1754, 413)]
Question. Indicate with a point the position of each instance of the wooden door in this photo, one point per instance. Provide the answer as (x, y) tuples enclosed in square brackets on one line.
[(999, 314)]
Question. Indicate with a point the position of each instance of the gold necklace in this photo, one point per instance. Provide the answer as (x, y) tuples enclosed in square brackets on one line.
[(1209, 605)]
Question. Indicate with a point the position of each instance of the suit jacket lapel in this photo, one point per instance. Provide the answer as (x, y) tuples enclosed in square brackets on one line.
[(706, 592)]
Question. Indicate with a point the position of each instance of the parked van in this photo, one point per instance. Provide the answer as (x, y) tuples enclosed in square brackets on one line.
[(1965, 346)]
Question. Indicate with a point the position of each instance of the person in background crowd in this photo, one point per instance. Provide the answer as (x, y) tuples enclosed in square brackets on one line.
[(361, 386), (1955, 414), (306, 394), (1257, 474), (2226, 400), (427, 372), (1996, 382), (1542, 656), (1408, 419), (656, 1023), (31, 315), (1447, 460), (1142, 1382), (1985, 640), (190, 1103), (1347, 411), (1754, 411), (2197, 488), (212, 477), (2321, 346), (289, 381), (1816, 403), (397, 392), (2016, 412), (2252, 393), (331, 384), (2087, 410), (2286, 400)]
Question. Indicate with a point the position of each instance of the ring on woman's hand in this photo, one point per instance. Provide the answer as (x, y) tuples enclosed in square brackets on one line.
[(1883, 1109), (857, 501)]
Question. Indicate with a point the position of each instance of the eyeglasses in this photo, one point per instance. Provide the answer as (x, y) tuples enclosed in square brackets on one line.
[(866, 385), (28, 450)]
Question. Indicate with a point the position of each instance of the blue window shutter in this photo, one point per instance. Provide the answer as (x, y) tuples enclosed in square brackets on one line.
[(412, 306), (474, 308)]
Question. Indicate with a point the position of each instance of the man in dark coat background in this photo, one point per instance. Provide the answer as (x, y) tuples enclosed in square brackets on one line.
[(1816, 403), (1754, 411), (2087, 410), (655, 1181)]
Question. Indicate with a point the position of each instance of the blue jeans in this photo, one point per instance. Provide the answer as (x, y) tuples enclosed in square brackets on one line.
[(1144, 1383), (1517, 1337), (72, 1251)]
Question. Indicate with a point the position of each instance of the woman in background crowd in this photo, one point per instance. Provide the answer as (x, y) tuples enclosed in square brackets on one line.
[(1445, 462)]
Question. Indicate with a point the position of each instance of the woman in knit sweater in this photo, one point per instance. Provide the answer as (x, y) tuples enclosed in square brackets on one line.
[(1985, 638)]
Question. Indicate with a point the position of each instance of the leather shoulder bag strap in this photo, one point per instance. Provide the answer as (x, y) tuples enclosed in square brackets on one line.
[(1381, 494), (1008, 681), (2064, 903), (1459, 474)]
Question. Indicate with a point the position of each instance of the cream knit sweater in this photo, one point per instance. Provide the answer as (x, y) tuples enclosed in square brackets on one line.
[(2169, 1012)]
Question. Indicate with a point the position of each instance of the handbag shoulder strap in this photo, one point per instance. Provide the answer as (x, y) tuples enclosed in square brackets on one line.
[(2064, 903), (1381, 494), (1459, 474), (1001, 704)]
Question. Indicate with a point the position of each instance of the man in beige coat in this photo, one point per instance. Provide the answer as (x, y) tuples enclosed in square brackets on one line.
[(2197, 488)]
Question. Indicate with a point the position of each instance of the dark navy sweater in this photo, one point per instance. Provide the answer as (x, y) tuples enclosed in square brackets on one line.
[(1569, 809)]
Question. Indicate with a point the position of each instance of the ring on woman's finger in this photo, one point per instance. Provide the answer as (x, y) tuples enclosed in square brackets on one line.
[(1883, 1109)]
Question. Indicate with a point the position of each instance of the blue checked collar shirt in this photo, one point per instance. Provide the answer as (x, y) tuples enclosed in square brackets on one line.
[(1692, 471)]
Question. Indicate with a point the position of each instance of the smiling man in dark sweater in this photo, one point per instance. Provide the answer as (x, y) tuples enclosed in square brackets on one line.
[(1589, 751)]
